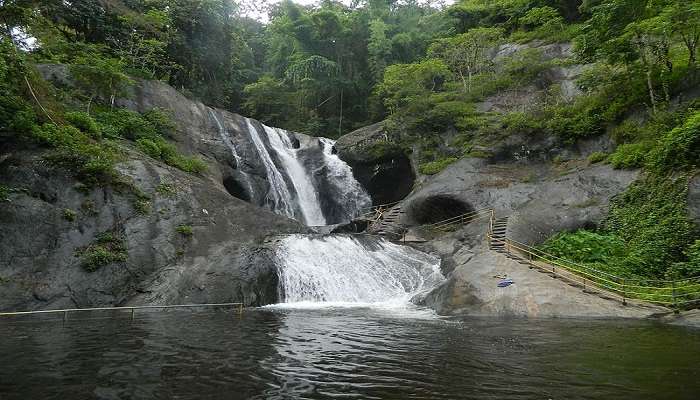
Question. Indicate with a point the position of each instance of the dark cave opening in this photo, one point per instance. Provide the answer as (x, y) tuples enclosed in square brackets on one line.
[(235, 189), (438, 208)]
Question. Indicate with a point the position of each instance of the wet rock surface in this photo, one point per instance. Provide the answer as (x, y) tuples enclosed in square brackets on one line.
[(474, 271), (40, 245), (50, 218), (378, 164)]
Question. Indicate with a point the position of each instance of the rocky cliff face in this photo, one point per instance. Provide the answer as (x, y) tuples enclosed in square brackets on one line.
[(291, 173), (178, 237), (377, 163)]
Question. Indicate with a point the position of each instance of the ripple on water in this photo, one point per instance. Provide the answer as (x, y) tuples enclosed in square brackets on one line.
[(367, 353)]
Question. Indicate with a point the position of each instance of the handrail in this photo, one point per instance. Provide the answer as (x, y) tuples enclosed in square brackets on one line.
[(675, 292), (675, 295), (449, 221), (130, 308)]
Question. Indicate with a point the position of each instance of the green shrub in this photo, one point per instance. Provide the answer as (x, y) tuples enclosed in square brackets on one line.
[(107, 248), (585, 246), (160, 149), (4, 192), (184, 230), (520, 122), (651, 218), (166, 189), (192, 165), (689, 268), (149, 147), (597, 156), (631, 155), (142, 207), (69, 215), (92, 161), (443, 114), (434, 167), (679, 148), (84, 122), (125, 124), (161, 121)]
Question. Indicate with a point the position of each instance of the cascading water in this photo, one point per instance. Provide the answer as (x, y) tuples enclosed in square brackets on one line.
[(294, 175), (307, 197), (339, 270), (278, 197), (228, 140), (353, 196)]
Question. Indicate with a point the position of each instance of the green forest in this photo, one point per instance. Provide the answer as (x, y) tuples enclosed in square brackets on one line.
[(418, 68)]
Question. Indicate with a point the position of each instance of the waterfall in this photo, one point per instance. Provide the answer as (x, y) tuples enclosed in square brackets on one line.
[(347, 189), (307, 198), (295, 175), (228, 140), (351, 270), (278, 197)]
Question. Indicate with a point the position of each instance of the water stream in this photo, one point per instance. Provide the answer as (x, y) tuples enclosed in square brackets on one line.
[(228, 140), (279, 198), (352, 271), (306, 198)]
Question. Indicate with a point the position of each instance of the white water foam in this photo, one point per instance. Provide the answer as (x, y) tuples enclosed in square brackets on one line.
[(354, 196), (279, 195), (307, 198), (228, 140), (347, 271)]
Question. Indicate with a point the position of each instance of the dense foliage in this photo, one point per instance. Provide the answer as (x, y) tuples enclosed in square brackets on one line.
[(425, 70), (647, 234)]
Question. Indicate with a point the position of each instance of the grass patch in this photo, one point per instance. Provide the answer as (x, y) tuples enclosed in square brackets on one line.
[(4, 193), (69, 215), (166, 189), (597, 157), (108, 248), (434, 167), (184, 230)]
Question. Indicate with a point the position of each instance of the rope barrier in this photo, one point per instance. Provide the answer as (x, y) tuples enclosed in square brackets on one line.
[(66, 311)]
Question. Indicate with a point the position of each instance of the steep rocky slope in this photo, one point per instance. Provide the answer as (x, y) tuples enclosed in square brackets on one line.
[(176, 237)]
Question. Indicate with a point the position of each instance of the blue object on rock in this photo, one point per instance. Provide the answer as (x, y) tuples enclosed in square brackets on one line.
[(505, 283)]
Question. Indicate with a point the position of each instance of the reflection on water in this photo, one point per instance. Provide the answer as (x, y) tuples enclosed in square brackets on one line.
[(348, 353)]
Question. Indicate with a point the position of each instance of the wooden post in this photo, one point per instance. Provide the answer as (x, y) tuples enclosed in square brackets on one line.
[(133, 310), (240, 310), (65, 316), (624, 293)]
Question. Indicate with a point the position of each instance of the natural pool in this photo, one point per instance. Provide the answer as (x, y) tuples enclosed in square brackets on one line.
[(352, 353)]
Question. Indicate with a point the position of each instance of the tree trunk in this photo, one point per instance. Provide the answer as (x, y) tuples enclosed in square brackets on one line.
[(340, 123), (650, 86), (469, 72)]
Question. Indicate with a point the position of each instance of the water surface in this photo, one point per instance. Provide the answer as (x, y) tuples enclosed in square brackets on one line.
[(344, 354)]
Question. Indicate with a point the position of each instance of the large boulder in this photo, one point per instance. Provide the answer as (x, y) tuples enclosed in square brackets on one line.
[(540, 198), (380, 165)]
